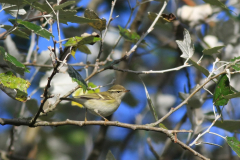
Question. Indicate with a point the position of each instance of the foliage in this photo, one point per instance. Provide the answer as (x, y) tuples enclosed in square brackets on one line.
[(189, 53)]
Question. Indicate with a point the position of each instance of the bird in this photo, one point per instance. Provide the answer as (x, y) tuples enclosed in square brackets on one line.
[(102, 104)]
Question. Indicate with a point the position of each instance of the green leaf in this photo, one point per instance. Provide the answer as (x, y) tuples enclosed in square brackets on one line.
[(38, 6), (235, 66), (36, 29), (217, 3), (213, 50), (73, 51), (84, 49), (79, 42), (222, 89), (234, 144), (12, 62), (228, 125), (234, 95), (92, 85), (84, 39), (69, 16), (19, 2), (76, 77), (151, 106), (63, 5), (200, 68), (13, 86), (16, 32), (130, 36), (100, 24), (110, 156)]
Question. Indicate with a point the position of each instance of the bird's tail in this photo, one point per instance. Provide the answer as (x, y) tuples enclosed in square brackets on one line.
[(74, 100), (68, 99)]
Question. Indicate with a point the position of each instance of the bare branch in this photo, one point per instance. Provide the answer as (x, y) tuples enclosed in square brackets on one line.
[(18, 122)]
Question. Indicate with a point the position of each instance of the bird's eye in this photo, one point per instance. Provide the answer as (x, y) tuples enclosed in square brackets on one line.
[(118, 91)]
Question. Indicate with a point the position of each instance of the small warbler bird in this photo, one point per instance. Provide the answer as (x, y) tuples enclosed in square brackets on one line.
[(101, 104)]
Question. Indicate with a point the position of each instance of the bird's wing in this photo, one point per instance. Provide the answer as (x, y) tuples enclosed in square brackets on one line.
[(97, 96)]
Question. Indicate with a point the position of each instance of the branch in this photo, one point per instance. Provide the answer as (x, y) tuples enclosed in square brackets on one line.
[(25, 122), (152, 149), (207, 131), (148, 31), (110, 19), (151, 71), (51, 66)]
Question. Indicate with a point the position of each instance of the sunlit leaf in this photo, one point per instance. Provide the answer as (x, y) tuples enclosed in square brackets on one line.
[(186, 45), (76, 77), (12, 62), (213, 50), (234, 144), (84, 39), (73, 51), (13, 86), (100, 24), (79, 43)]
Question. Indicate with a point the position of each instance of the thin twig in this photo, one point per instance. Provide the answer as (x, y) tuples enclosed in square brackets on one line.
[(51, 66), (31, 48), (148, 31), (207, 131), (152, 149), (150, 71), (57, 16), (109, 20)]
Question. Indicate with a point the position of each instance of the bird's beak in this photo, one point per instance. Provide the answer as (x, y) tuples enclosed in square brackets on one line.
[(127, 90)]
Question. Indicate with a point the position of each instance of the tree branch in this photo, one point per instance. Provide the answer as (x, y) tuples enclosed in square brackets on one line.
[(169, 133)]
